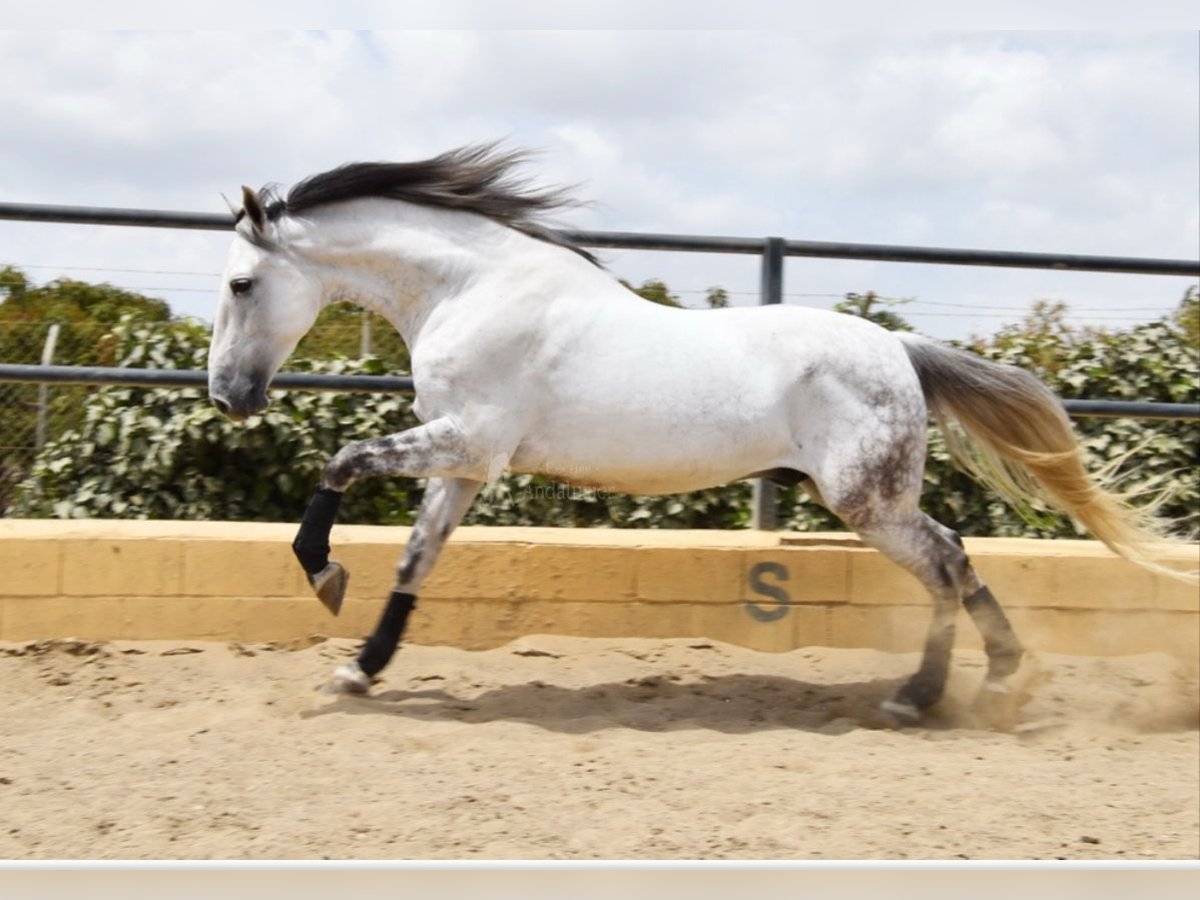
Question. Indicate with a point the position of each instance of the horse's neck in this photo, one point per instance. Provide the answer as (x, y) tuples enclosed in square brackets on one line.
[(374, 255), (404, 262)]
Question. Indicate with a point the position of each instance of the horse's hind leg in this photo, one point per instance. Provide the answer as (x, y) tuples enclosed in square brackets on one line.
[(1000, 642), (924, 548), (446, 502), (935, 555)]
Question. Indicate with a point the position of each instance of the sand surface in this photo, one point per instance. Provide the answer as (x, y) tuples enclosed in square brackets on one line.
[(570, 748)]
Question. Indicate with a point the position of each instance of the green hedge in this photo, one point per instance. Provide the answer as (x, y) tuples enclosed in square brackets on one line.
[(167, 454)]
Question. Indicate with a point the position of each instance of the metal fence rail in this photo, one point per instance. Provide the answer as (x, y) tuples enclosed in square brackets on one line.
[(772, 250), (198, 378), (387, 384), (623, 240)]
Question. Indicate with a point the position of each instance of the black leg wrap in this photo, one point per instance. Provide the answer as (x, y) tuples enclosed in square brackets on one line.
[(925, 688), (377, 652), (311, 545), (922, 691), (1000, 642)]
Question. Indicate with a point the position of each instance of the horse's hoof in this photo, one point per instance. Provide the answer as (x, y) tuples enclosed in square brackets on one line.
[(348, 679), (999, 701), (996, 706), (902, 714), (330, 586)]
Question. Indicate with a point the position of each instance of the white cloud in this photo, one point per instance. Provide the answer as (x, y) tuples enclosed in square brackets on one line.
[(1070, 142)]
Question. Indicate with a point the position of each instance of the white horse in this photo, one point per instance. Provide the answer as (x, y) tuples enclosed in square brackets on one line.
[(528, 357)]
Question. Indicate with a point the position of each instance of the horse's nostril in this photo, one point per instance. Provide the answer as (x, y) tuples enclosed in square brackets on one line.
[(221, 405)]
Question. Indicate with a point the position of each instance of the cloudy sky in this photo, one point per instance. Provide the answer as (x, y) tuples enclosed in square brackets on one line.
[(1055, 142)]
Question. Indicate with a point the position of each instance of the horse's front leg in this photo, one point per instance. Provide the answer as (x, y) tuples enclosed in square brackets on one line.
[(437, 450), (446, 502)]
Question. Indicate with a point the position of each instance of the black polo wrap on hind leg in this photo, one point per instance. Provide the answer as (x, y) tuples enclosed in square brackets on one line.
[(311, 545), (926, 687), (377, 652)]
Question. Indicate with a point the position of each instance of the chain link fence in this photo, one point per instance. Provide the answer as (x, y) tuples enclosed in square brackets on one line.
[(32, 415)]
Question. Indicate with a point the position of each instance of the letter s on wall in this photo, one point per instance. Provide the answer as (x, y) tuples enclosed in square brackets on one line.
[(782, 601)]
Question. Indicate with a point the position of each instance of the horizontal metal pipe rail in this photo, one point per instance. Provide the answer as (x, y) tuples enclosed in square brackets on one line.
[(198, 378), (403, 384), (621, 240), (889, 253)]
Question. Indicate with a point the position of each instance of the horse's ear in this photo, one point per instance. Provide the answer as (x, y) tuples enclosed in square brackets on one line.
[(234, 210), (254, 209)]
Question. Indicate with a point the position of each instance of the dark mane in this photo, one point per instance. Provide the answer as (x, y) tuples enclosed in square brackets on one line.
[(477, 178)]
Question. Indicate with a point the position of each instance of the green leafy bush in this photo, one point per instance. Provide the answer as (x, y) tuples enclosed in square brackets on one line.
[(84, 314), (1153, 362), (167, 454)]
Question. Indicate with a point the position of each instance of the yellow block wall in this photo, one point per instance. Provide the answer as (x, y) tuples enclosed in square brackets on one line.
[(223, 581)]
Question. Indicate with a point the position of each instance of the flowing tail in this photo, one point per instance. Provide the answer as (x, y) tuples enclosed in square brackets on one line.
[(1010, 431)]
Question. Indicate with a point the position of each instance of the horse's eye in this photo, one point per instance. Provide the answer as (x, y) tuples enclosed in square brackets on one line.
[(241, 286)]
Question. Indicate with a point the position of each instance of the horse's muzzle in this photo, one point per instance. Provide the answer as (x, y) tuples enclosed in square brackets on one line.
[(238, 404), (240, 410)]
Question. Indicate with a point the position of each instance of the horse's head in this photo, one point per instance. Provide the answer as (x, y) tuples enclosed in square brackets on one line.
[(267, 304)]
